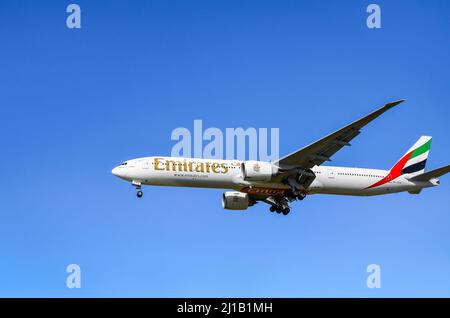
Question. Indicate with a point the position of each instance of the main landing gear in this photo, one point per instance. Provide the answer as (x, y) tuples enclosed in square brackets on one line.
[(295, 192), (279, 209), (281, 204)]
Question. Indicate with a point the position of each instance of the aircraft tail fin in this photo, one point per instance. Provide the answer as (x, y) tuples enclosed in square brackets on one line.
[(431, 174), (414, 160)]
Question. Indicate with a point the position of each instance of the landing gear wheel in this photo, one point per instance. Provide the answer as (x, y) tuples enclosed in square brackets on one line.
[(279, 210), (139, 194), (273, 208), (286, 211), (301, 196)]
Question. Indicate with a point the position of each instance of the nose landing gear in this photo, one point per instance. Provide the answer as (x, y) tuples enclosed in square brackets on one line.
[(137, 185)]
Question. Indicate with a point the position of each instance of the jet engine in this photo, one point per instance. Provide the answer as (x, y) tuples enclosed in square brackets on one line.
[(258, 170), (234, 200)]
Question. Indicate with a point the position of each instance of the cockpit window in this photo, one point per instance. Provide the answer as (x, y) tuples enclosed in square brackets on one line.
[(124, 164)]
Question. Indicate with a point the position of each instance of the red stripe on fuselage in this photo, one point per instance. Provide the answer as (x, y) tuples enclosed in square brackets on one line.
[(395, 172), (263, 191)]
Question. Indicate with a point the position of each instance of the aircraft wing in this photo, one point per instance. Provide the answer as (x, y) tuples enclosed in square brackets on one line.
[(321, 150)]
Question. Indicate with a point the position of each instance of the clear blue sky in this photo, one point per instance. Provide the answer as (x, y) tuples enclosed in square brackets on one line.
[(75, 103)]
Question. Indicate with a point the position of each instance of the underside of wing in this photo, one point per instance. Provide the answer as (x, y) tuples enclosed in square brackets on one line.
[(321, 150)]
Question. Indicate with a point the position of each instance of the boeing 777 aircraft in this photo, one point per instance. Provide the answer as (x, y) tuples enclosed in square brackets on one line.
[(291, 177)]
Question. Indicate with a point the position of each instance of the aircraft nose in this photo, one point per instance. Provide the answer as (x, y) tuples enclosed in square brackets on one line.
[(116, 172)]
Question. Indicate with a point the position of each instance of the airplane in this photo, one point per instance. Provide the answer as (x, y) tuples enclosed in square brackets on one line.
[(292, 177)]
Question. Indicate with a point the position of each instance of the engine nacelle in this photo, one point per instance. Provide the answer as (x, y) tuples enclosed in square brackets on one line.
[(235, 200), (258, 170)]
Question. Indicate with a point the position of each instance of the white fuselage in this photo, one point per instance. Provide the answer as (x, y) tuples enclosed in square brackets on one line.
[(227, 174)]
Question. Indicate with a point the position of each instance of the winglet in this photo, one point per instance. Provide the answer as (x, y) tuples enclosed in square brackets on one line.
[(395, 103)]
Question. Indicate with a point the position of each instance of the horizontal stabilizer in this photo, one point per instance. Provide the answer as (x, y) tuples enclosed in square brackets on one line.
[(431, 174)]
